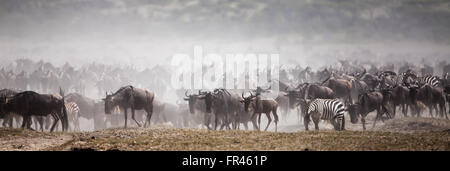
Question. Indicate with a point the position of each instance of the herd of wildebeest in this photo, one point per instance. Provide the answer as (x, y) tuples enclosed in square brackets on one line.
[(352, 87)]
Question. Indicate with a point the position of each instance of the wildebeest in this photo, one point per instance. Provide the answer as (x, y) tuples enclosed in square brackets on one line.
[(371, 80), (131, 97), (431, 97), (217, 104), (8, 117), (399, 96), (447, 91), (259, 106), (197, 107), (30, 103), (308, 91), (340, 87), (358, 86), (89, 109), (283, 101), (314, 91), (367, 102)]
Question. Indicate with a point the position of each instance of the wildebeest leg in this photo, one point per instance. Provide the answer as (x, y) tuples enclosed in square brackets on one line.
[(379, 115), (444, 110), (253, 119), (149, 111), (430, 107), (406, 110), (4, 122), (40, 120), (216, 120), (363, 120), (207, 120), (275, 116), (255, 123), (55, 121), (395, 109), (125, 111), (132, 116), (437, 113), (270, 120), (36, 125), (24, 120), (9, 120), (29, 123), (418, 111), (259, 120)]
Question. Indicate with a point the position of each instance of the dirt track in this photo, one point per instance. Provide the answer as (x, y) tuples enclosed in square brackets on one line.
[(397, 134)]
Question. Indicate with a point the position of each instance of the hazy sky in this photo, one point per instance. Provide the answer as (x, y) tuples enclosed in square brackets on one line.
[(144, 33)]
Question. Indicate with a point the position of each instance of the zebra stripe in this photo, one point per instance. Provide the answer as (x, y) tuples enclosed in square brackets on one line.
[(328, 109), (430, 80), (73, 112)]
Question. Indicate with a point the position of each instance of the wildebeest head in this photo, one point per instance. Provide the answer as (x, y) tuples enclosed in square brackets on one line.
[(247, 100), (192, 100), (109, 103), (353, 111), (293, 96), (210, 99)]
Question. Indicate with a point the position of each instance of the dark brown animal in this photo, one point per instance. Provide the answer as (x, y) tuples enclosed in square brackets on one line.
[(89, 109), (29, 103), (8, 117), (256, 105), (432, 97), (197, 107), (131, 97), (340, 87), (367, 102), (399, 97)]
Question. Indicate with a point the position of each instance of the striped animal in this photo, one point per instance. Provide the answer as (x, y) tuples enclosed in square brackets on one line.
[(73, 114), (326, 109), (428, 80)]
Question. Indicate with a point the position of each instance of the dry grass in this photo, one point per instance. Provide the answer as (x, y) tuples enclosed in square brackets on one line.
[(195, 139), (398, 134)]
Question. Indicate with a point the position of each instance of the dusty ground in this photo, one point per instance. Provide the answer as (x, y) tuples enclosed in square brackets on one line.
[(396, 134)]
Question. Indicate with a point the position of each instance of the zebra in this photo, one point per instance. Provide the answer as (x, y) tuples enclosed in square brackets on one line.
[(73, 114), (429, 79), (408, 78), (325, 109)]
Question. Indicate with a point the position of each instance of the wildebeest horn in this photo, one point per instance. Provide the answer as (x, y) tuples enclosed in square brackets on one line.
[(243, 95), (185, 93), (106, 93)]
